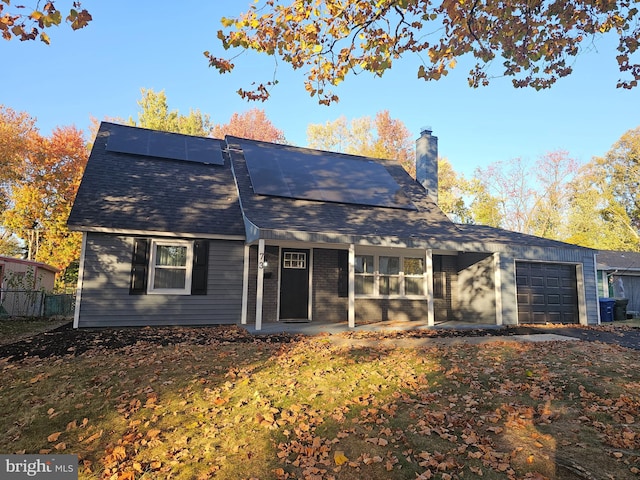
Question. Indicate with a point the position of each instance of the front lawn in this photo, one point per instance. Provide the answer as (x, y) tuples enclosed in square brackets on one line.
[(310, 409), (13, 329)]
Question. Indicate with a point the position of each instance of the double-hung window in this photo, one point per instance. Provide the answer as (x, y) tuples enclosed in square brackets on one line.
[(364, 274), (413, 275), (170, 267), (389, 276)]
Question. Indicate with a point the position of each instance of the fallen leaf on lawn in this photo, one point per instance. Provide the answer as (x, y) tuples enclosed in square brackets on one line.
[(60, 446), (37, 378), (93, 437), (340, 458), (119, 452), (54, 437), (154, 432), (279, 472), (72, 425), (426, 475)]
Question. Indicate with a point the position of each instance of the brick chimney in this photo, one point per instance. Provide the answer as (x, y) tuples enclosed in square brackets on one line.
[(427, 162)]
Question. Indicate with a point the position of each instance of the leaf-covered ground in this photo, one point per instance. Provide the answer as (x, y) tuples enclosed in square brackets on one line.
[(219, 403)]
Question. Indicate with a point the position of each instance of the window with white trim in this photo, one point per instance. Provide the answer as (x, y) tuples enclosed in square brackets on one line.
[(295, 260), (365, 277), (389, 276), (413, 275), (170, 267)]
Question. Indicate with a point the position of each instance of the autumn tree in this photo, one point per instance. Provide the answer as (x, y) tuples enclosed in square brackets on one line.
[(155, 114), (594, 218), (535, 43), (508, 183), (252, 124), (31, 22), (621, 166), (40, 200), (553, 173), (452, 189), (605, 204), (9, 245), (524, 198), (16, 132), (484, 208), (381, 137)]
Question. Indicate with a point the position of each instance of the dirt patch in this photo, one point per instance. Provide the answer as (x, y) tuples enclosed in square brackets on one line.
[(65, 340)]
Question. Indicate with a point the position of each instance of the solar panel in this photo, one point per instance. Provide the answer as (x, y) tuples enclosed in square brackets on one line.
[(173, 146), (282, 171)]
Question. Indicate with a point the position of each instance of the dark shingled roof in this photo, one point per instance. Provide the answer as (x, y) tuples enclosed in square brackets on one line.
[(136, 193), (487, 234), (131, 193), (285, 215), (616, 260)]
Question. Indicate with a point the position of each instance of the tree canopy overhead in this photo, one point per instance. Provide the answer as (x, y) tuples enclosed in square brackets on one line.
[(532, 41), (29, 22)]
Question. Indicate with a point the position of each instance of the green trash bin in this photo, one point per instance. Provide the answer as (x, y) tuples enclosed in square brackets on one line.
[(620, 309)]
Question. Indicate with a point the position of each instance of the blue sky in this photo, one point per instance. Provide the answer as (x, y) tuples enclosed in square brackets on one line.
[(99, 71)]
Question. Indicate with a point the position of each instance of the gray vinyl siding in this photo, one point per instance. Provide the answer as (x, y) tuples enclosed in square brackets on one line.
[(577, 256), (106, 300), (476, 288)]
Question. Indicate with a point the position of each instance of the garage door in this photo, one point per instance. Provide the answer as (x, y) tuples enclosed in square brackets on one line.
[(547, 293)]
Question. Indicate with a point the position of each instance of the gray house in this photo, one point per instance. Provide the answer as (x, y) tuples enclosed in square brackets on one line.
[(619, 278), (181, 230)]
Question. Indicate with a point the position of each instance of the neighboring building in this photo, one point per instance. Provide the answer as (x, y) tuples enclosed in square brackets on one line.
[(619, 277), (189, 230), (22, 284)]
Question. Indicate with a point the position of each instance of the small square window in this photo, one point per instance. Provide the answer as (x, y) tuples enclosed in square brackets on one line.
[(295, 260)]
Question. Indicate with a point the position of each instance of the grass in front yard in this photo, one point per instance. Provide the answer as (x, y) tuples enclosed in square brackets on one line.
[(310, 409), (13, 329)]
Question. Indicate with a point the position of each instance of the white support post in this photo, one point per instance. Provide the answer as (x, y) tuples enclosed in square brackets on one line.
[(431, 316), (260, 286), (83, 253), (352, 286), (245, 286), (497, 279)]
